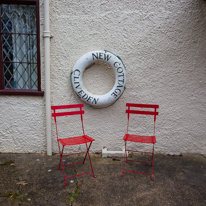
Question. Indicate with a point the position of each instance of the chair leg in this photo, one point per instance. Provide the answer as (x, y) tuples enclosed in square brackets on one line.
[(61, 154), (89, 158), (87, 151), (63, 166), (63, 173), (91, 165), (125, 154), (152, 162), (126, 151)]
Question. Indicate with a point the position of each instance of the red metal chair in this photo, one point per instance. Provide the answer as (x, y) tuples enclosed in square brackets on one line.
[(140, 138), (84, 139)]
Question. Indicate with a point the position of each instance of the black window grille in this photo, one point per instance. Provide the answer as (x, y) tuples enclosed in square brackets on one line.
[(19, 47)]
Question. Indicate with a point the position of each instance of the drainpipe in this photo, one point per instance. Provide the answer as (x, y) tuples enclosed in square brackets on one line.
[(47, 75)]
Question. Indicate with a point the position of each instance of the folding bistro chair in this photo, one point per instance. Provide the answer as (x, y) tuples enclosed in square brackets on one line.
[(69, 141), (140, 138)]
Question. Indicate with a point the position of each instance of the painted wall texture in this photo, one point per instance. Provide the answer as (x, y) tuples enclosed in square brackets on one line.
[(163, 46)]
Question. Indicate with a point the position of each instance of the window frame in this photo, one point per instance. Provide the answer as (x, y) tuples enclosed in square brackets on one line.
[(26, 92)]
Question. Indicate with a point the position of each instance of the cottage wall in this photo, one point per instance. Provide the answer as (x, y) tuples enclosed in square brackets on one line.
[(163, 46)]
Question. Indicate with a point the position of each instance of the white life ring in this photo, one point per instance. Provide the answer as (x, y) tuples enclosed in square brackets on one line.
[(120, 78)]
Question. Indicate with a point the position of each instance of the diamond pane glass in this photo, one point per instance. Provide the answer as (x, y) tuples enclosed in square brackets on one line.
[(26, 76), (18, 18), (8, 75), (19, 46)]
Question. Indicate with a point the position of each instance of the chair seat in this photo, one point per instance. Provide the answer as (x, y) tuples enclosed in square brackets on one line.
[(139, 138), (76, 140)]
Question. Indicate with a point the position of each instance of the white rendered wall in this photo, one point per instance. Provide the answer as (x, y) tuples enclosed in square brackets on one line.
[(22, 118), (163, 46)]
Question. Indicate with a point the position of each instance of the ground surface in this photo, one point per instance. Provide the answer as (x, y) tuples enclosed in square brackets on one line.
[(32, 179)]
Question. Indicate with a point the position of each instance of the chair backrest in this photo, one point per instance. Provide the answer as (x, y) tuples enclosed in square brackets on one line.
[(56, 113), (143, 112)]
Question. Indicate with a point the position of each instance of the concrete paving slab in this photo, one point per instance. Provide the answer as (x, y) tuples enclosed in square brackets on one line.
[(32, 179)]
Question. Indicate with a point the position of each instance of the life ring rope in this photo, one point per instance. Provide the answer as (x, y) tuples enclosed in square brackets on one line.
[(116, 56)]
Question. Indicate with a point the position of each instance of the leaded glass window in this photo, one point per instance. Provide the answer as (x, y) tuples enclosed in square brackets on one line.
[(19, 46)]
